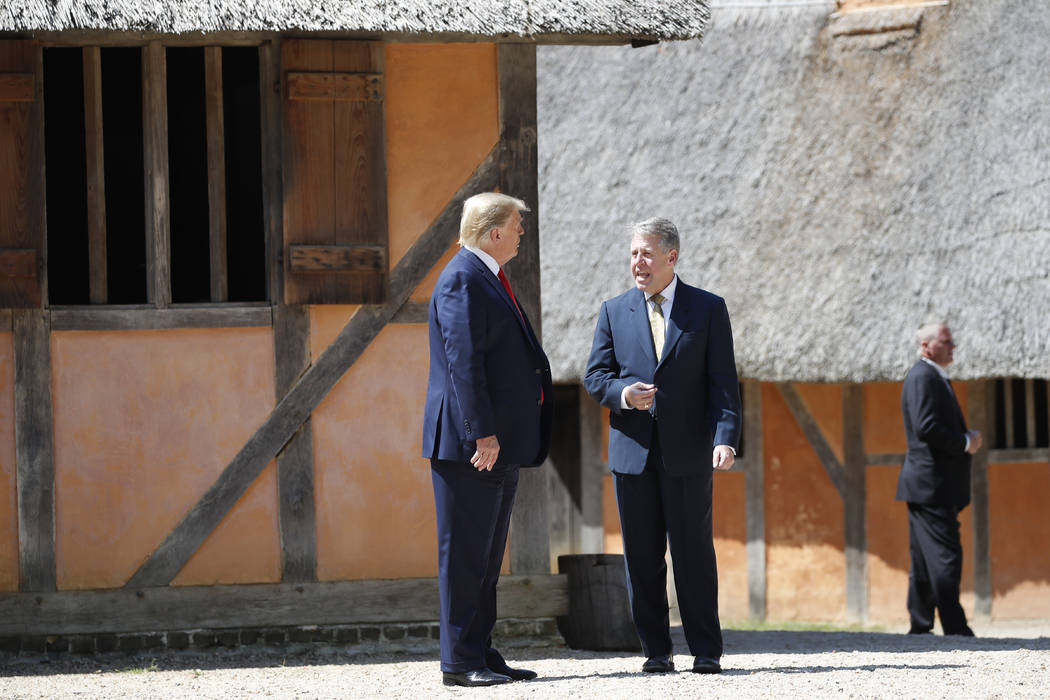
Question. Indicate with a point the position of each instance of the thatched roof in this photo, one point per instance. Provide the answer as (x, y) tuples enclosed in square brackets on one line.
[(837, 180), (564, 20)]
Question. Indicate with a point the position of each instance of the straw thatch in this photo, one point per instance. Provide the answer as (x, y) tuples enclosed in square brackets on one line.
[(838, 180), (594, 19)]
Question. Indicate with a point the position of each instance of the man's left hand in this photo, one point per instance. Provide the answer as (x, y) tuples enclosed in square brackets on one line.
[(722, 458)]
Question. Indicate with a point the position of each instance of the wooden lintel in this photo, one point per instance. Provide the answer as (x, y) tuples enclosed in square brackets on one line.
[(18, 262), (814, 435), (261, 605), (412, 312), (337, 87), (311, 388), (148, 318), (1036, 454), (17, 87), (337, 258)]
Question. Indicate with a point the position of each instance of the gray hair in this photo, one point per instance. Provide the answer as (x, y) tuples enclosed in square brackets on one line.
[(484, 212), (928, 332), (663, 229)]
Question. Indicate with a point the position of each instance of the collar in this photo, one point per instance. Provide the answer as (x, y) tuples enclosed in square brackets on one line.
[(490, 262), (931, 363), (667, 292)]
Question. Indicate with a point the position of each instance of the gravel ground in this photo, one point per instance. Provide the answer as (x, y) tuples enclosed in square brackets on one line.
[(1004, 661)]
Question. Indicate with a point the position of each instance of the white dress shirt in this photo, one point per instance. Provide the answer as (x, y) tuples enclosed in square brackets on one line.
[(668, 294), (490, 262)]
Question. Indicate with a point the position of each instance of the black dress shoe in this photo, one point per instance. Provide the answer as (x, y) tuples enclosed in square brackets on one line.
[(658, 664), (964, 632), (515, 674), (919, 630), (475, 678), (702, 664)]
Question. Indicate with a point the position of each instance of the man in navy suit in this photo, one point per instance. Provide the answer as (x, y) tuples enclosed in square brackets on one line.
[(662, 363), (488, 412), (935, 482)]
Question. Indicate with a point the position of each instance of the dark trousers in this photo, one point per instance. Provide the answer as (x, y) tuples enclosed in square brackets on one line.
[(936, 568), (657, 508), (473, 517)]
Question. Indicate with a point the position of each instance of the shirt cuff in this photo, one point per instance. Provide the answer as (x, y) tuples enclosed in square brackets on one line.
[(623, 399), (967, 448)]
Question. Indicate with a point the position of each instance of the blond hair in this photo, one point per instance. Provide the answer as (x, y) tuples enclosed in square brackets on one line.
[(484, 212)]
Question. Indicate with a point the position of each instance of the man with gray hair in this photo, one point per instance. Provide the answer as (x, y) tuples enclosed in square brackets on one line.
[(935, 483), (662, 363)]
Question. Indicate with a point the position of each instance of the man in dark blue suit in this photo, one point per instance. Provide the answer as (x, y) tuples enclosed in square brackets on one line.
[(935, 482), (662, 363), (488, 412)]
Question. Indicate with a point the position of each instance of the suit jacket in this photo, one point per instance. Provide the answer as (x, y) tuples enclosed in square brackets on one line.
[(487, 371), (697, 401), (936, 468)]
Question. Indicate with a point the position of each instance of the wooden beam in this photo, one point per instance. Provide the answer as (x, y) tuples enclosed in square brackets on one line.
[(1029, 412), (17, 87), (1039, 454), (337, 258), (855, 501), (96, 176), (143, 318), (592, 475), (891, 459), (815, 437), (34, 451), (261, 605), (339, 87), (216, 127), (413, 312), (978, 418), (295, 408), (295, 463), (155, 150), (1008, 413), (270, 158), (519, 176), (755, 501)]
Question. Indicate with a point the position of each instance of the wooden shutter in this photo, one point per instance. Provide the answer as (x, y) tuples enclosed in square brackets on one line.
[(335, 221), (21, 175)]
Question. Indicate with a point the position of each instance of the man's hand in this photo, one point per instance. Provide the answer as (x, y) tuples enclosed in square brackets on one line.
[(486, 453), (640, 396), (722, 458), (975, 441)]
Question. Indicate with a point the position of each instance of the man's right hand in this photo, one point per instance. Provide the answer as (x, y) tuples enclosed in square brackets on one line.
[(975, 441), (640, 395), (485, 454)]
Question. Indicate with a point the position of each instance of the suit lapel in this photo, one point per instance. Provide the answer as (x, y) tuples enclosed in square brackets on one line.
[(486, 274), (679, 312), (640, 310)]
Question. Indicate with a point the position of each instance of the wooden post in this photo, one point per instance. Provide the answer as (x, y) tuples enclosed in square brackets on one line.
[(592, 474), (34, 450), (96, 175), (755, 501), (155, 149), (215, 126), (978, 405), (295, 463), (1029, 412), (1008, 414), (855, 501), (518, 176), (272, 185)]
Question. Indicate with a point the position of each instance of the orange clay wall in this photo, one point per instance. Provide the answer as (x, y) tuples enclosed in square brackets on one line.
[(8, 502), (145, 421)]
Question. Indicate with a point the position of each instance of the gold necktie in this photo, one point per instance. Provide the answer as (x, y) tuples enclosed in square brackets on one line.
[(657, 324)]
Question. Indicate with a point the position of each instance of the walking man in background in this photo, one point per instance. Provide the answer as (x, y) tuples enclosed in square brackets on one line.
[(662, 363), (485, 416), (935, 482)]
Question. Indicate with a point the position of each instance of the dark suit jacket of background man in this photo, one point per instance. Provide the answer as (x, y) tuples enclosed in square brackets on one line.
[(936, 468)]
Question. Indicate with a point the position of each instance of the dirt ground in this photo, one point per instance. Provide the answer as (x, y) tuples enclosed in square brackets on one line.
[(1005, 660)]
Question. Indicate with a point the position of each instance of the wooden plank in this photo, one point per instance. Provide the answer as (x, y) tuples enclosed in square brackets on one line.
[(22, 220), (265, 605), (1008, 413), (143, 318), (295, 463), (5, 320), (34, 451), (295, 408), (215, 125), (755, 500), (855, 502), (18, 262), (17, 87), (96, 176), (518, 176), (1029, 412), (270, 160), (337, 258), (893, 459), (979, 418), (1038, 454), (352, 87), (413, 312), (592, 475), (815, 437), (155, 149)]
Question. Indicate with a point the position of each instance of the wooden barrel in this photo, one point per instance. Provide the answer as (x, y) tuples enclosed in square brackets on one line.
[(599, 612)]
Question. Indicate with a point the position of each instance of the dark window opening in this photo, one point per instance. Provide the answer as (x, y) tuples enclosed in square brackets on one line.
[(124, 176), (565, 439), (66, 169), (1021, 408)]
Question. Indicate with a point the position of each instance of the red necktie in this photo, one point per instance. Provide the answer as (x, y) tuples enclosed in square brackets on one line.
[(506, 285)]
